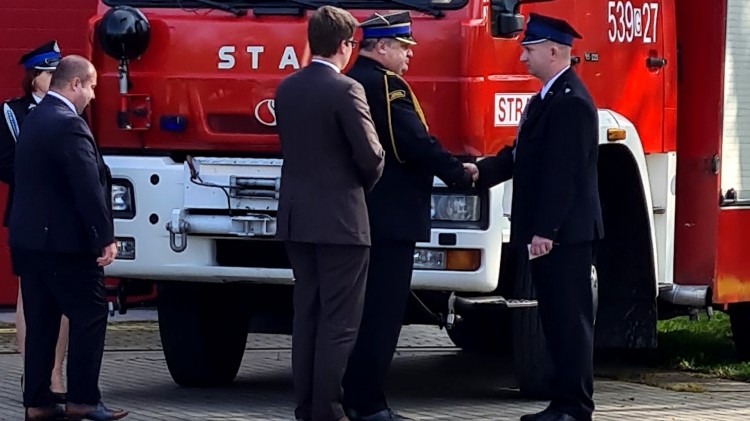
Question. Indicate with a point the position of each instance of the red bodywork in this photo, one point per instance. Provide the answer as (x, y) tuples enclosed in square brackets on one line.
[(457, 70)]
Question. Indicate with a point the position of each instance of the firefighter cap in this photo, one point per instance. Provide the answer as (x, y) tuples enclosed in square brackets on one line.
[(44, 57), (544, 28), (394, 25)]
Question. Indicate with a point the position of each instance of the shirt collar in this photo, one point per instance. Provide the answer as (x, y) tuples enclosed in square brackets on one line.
[(37, 99), (327, 63), (549, 84), (63, 99)]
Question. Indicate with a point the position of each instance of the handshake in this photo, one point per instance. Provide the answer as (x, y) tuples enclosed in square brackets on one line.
[(473, 170)]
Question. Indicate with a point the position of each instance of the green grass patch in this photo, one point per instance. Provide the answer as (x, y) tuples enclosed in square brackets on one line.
[(703, 346)]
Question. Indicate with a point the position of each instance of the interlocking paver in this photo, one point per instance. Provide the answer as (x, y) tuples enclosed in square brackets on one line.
[(430, 380)]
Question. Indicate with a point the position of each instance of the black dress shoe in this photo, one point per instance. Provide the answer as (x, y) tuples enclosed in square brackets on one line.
[(60, 398), (53, 413), (384, 415), (535, 417), (555, 416), (99, 413)]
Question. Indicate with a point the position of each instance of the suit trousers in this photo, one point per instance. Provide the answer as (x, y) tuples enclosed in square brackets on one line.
[(55, 284), (388, 287), (562, 280), (329, 292)]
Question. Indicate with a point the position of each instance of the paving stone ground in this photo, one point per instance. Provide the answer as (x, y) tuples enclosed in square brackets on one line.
[(430, 380)]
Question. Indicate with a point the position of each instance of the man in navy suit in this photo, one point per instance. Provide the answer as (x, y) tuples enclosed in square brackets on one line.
[(556, 210), (61, 236)]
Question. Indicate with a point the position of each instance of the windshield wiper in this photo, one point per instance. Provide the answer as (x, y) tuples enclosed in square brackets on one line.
[(219, 6)]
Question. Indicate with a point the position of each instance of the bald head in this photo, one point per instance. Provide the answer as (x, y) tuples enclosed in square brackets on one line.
[(75, 79), (70, 68)]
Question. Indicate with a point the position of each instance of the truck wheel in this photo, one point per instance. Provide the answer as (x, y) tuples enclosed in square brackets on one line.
[(203, 330), (531, 360), (739, 318), (482, 332)]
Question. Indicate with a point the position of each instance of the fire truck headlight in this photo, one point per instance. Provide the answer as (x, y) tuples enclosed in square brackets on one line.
[(429, 259), (455, 207), (122, 200), (447, 259)]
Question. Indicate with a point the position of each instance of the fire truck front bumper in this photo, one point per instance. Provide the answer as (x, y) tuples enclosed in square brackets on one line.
[(221, 228)]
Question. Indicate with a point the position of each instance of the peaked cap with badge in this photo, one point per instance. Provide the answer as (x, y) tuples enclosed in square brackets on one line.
[(44, 57), (393, 25), (542, 28)]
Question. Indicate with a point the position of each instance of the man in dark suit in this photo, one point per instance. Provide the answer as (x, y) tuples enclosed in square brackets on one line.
[(399, 207), (332, 158), (61, 236), (556, 212)]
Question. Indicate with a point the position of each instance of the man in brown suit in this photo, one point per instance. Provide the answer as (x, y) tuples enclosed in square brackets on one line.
[(332, 158)]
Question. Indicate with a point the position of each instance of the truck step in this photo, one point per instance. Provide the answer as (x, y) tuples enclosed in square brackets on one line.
[(499, 301)]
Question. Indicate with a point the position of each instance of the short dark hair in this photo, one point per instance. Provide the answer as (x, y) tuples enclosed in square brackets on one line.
[(328, 26), (368, 44), (69, 68)]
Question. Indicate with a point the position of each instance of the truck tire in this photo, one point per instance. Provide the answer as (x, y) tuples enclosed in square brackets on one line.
[(203, 330), (739, 318), (483, 332), (531, 360)]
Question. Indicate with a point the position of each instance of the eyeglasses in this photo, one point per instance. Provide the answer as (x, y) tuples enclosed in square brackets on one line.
[(352, 43)]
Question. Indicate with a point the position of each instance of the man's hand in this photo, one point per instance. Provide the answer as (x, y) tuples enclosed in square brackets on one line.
[(540, 246), (473, 170), (108, 255)]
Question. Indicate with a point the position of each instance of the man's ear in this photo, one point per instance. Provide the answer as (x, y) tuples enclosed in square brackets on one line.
[(380, 47)]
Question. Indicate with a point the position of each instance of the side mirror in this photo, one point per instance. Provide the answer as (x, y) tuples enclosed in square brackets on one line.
[(506, 24), (506, 21)]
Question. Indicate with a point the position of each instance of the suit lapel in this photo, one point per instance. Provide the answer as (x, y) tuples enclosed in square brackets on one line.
[(536, 110)]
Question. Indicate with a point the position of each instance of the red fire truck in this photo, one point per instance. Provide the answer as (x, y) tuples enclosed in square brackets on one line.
[(185, 113)]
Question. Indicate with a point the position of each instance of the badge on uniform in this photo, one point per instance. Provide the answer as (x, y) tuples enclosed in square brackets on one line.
[(396, 95)]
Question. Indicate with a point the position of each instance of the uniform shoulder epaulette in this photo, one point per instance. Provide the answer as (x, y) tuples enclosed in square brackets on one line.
[(16, 100)]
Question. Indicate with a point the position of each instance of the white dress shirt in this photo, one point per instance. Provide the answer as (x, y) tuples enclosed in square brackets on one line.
[(63, 99), (327, 63)]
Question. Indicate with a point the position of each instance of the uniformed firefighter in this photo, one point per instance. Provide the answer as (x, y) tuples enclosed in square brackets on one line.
[(398, 206)]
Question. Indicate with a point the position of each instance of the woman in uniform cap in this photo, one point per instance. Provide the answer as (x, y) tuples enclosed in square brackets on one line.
[(38, 65)]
